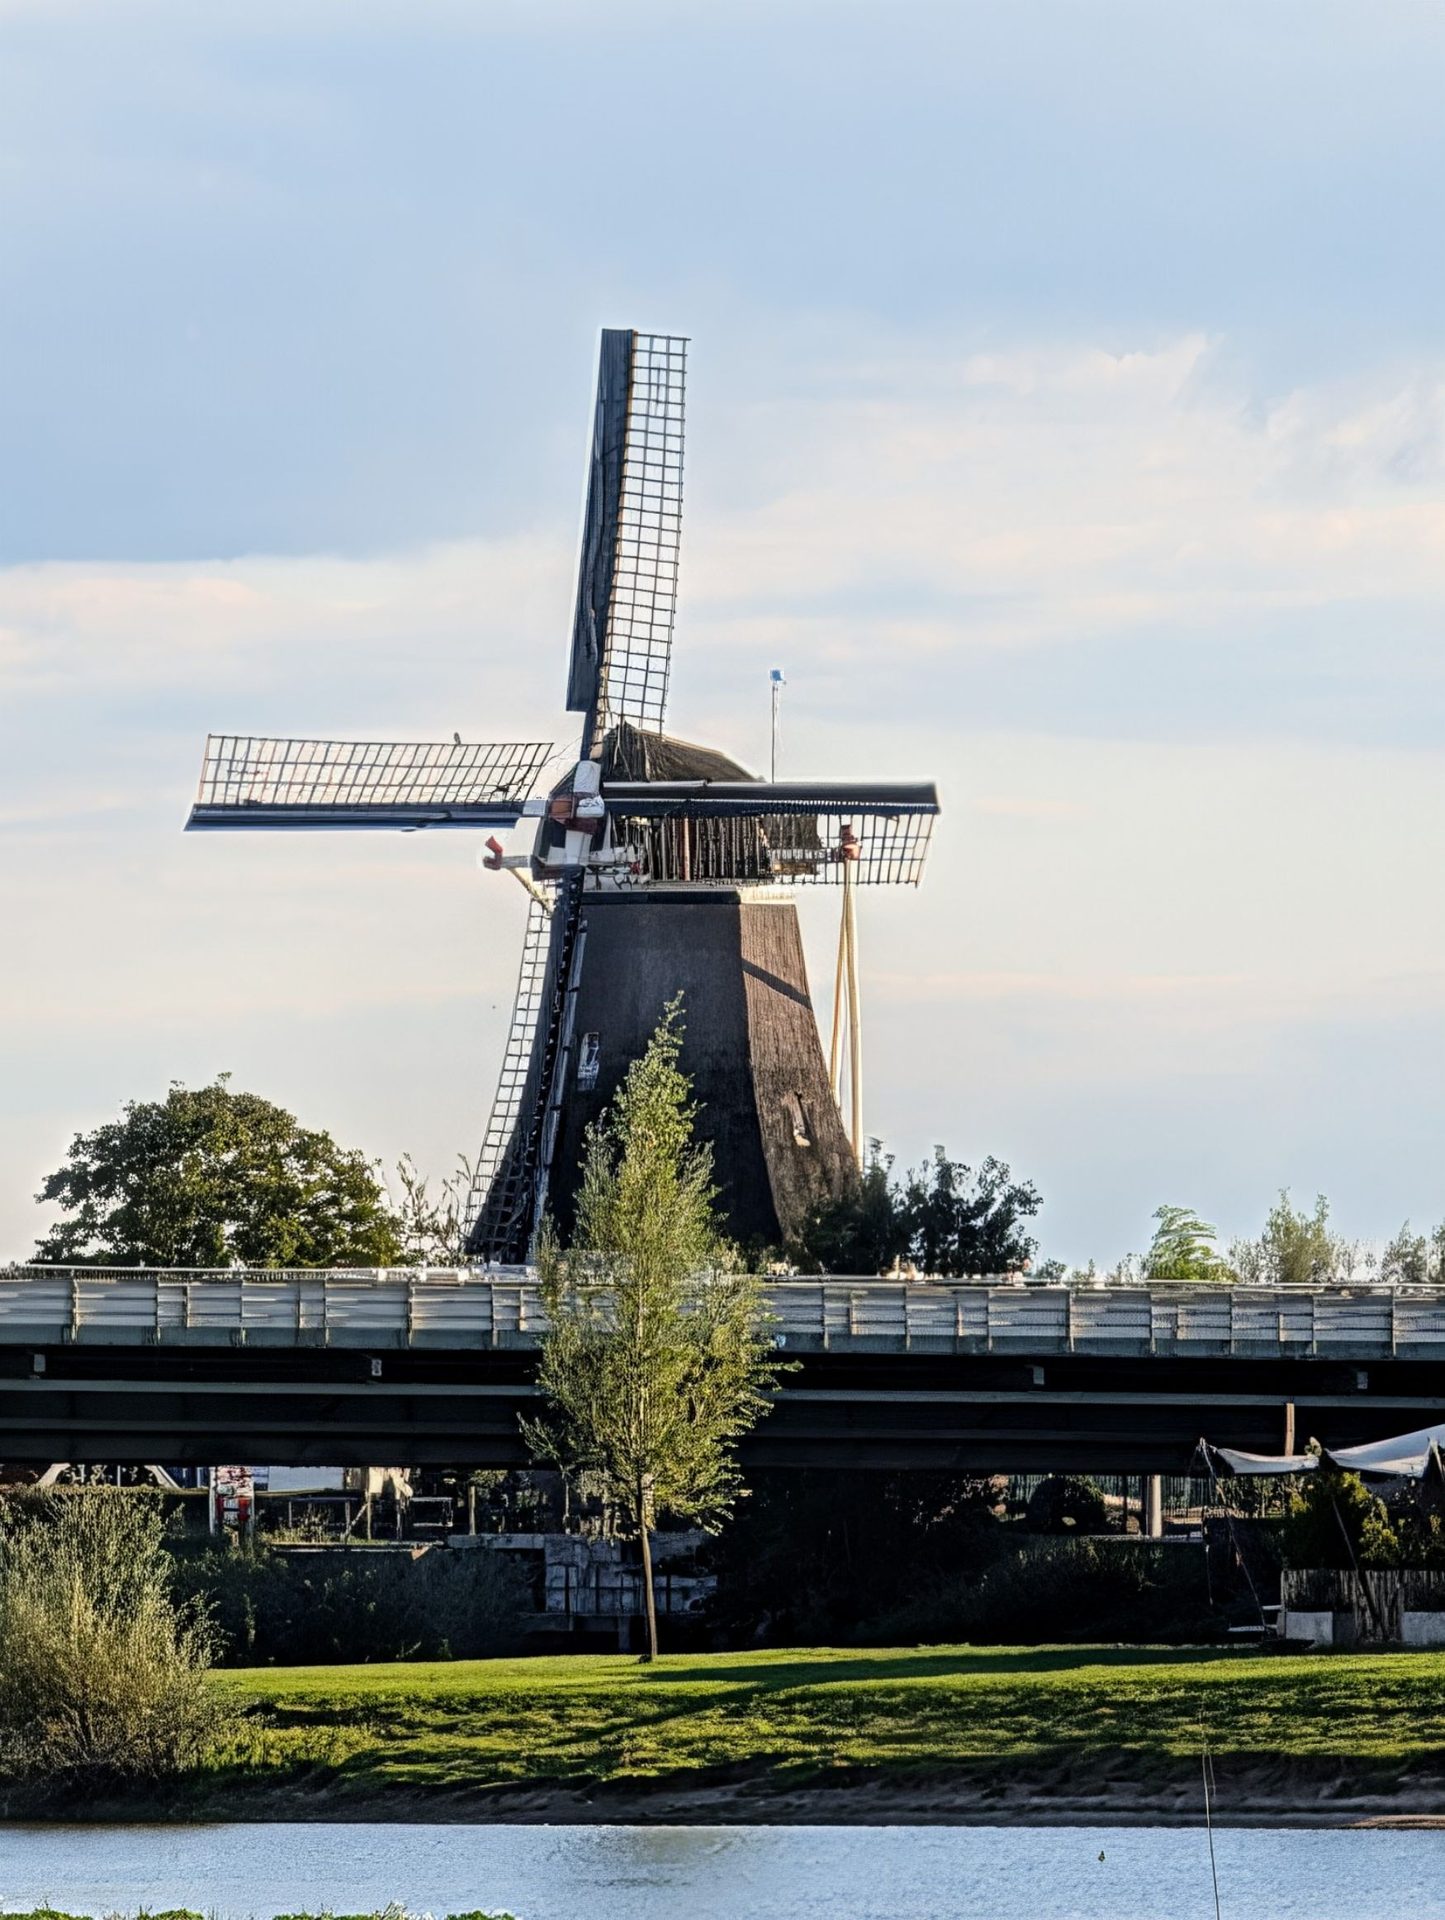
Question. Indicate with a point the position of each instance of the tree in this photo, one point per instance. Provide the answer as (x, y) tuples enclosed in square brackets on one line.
[(959, 1221), (211, 1178), (1414, 1259), (860, 1233), (432, 1231), (1183, 1249), (1296, 1249), (657, 1359), (102, 1672), (943, 1218)]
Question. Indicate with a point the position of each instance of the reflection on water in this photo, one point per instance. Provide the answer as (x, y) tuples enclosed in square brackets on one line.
[(729, 1873)]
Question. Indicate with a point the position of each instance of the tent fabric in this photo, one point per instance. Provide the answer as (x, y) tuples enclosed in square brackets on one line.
[(1407, 1457), (1260, 1465)]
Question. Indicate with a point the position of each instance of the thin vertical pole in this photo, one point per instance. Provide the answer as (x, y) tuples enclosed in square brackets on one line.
[(855, 1015), (1206, 1769), (840, 987), (777, 684)]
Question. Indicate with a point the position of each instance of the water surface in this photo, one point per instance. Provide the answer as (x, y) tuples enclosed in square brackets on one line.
[(729, 1873)]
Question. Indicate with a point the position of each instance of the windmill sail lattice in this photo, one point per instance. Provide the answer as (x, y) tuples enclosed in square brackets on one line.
[(632, 534), (249, 780), (517, 1055)]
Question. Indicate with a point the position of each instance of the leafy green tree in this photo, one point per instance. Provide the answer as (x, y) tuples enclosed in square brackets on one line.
[(959, 1221), (211, 1178), (1183, 1249), (943, 1217), (1296, 1248), (658, 1359)]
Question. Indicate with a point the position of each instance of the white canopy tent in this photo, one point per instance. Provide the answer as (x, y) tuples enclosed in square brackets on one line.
[(1409, 1456)]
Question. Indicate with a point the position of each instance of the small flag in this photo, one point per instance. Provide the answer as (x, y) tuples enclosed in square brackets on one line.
[(776, 676)]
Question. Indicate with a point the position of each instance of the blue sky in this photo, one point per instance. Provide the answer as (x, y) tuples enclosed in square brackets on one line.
[(1067, 417)]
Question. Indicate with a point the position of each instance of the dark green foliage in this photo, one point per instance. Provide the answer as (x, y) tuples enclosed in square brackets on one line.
[(1334, 1521), (1063, 1590), (943, 1218), (211, 1178), (355, 1604), (819, 1555), (1066, 1503), (1328, 1520), (861, 1233)]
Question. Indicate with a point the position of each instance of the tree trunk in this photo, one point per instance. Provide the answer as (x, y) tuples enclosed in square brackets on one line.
[(649, 1597)]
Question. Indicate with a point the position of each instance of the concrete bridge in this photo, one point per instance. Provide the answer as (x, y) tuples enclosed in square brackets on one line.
[(425, 1366)]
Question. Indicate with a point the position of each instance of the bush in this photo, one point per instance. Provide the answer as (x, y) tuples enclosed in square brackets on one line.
[(355, 1604), (102, 1672), (1066, 1590), (1067, 1503), (817, 1555)]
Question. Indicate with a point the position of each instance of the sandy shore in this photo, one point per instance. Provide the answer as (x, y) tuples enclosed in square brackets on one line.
[(1249, 1801)]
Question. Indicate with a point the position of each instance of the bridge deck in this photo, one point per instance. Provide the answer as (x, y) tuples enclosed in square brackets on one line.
[(435, 1367)]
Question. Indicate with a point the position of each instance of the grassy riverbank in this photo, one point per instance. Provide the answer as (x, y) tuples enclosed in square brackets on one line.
[(831, 1734)]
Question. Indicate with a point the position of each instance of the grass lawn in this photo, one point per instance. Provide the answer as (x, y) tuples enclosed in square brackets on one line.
[(803, 1717)]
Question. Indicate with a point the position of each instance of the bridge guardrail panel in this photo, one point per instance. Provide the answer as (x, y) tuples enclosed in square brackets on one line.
[(1419, 1323), (271, 1306), (26, 1302), (1025, 1317), (799, 1311), (111, 1305), (1205, 1320), (1108, 1319), (929, 1315)]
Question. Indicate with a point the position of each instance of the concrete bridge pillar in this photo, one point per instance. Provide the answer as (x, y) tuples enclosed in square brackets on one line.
[(1154, 1506)]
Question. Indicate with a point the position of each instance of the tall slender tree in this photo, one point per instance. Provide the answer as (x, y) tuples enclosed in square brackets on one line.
[(658, 1356)]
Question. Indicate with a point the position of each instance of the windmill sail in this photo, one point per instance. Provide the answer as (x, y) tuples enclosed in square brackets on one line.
[(511, 1183), (528, 1009), (251, 781), (632, 530), (711, 832)]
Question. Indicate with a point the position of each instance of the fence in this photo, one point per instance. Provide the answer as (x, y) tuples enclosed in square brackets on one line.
[(1405, 1605)]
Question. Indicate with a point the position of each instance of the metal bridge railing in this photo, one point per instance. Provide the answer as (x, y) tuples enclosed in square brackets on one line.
[(501, 1306)]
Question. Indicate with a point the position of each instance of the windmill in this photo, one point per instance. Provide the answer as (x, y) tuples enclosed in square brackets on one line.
[(656, 867)]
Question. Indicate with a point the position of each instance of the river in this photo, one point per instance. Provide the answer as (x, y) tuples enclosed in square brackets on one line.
[(238, 1871)]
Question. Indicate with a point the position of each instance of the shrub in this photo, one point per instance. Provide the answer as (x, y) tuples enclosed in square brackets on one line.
[(1066, 1503), (102, 1672), (355, 1604), (1066, 1590)]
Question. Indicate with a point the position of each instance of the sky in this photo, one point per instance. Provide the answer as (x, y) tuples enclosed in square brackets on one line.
[(1066, 417)]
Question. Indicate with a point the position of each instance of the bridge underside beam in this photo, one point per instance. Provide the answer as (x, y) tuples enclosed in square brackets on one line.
[(265, 1405)]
